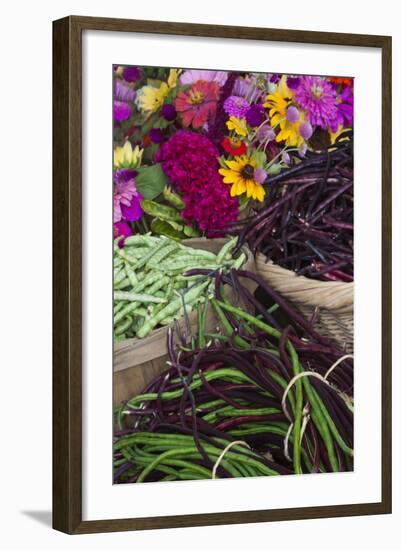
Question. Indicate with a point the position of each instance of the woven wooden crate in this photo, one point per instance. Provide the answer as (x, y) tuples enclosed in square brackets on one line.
[(334, 300), (137, 361)]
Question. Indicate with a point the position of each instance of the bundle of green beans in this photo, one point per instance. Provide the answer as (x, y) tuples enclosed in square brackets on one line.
[(150, 289)]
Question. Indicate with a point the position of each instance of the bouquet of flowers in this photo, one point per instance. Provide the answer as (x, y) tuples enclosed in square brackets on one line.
[(194, 148)]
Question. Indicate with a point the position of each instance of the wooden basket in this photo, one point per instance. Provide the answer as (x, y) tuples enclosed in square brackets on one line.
[(137, 361), (334, 300)]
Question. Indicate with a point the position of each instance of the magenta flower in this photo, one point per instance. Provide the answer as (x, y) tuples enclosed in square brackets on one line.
[(122, 229), (319, 99), (346, 107), (190, 161), (122, 111), (127, 200)]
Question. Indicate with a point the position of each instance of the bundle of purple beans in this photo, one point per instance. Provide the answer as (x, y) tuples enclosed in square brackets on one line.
[(306, 222), (234, 385)]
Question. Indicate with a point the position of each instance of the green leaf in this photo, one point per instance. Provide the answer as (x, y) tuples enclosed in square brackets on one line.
[(222, 162), (173, 198), (150, 181), (191, 231), (162, 227), (274, 169), (260, 158), (162, 211)]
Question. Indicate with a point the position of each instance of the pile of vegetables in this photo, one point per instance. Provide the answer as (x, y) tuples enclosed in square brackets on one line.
[(149, 287), (258, 397), (306, 222)]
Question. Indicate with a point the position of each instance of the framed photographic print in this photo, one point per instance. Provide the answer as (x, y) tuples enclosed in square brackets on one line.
[(222, 275)]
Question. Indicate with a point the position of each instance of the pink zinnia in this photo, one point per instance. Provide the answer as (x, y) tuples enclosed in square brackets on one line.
[(198, 105), (193, 75), (319, 99), (127, 200)]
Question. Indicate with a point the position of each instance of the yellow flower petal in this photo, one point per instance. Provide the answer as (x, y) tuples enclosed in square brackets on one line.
[(259, 192), (249, 188), (238, 188), (238, 125)]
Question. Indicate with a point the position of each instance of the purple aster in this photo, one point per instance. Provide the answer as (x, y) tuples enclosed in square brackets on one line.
[(236, 106), (132, 74), (168, 112), (122, 111), (319, 99), (274, 78), (123, 91), (156, 135), (255, 115), (246, 87)]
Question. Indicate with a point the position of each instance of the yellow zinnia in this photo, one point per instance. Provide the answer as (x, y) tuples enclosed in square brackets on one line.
[(150, 99), (126, 157), (241, 174), (238, 125)]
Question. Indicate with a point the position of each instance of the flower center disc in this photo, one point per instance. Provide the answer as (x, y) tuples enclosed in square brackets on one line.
[(196, 98), (317, 91), (247, 172)]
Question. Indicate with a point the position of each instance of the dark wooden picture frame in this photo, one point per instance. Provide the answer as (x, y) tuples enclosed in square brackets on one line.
[(67, 274)]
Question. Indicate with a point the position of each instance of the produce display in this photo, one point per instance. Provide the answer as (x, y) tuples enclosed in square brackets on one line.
[(251, 387), (264, 399), (150, 289)]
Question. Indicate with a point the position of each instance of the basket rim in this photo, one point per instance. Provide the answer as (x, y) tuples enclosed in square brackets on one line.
[(332, 295)]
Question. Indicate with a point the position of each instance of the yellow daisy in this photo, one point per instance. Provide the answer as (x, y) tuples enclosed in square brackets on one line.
[(238, 125), (241, 174)]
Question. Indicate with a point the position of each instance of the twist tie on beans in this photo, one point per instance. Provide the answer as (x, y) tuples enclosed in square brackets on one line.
[(343, 358), (224, 451), (306, 417), (305, 412)]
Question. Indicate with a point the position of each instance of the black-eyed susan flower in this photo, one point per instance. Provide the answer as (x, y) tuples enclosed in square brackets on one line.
[(241, 173)]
